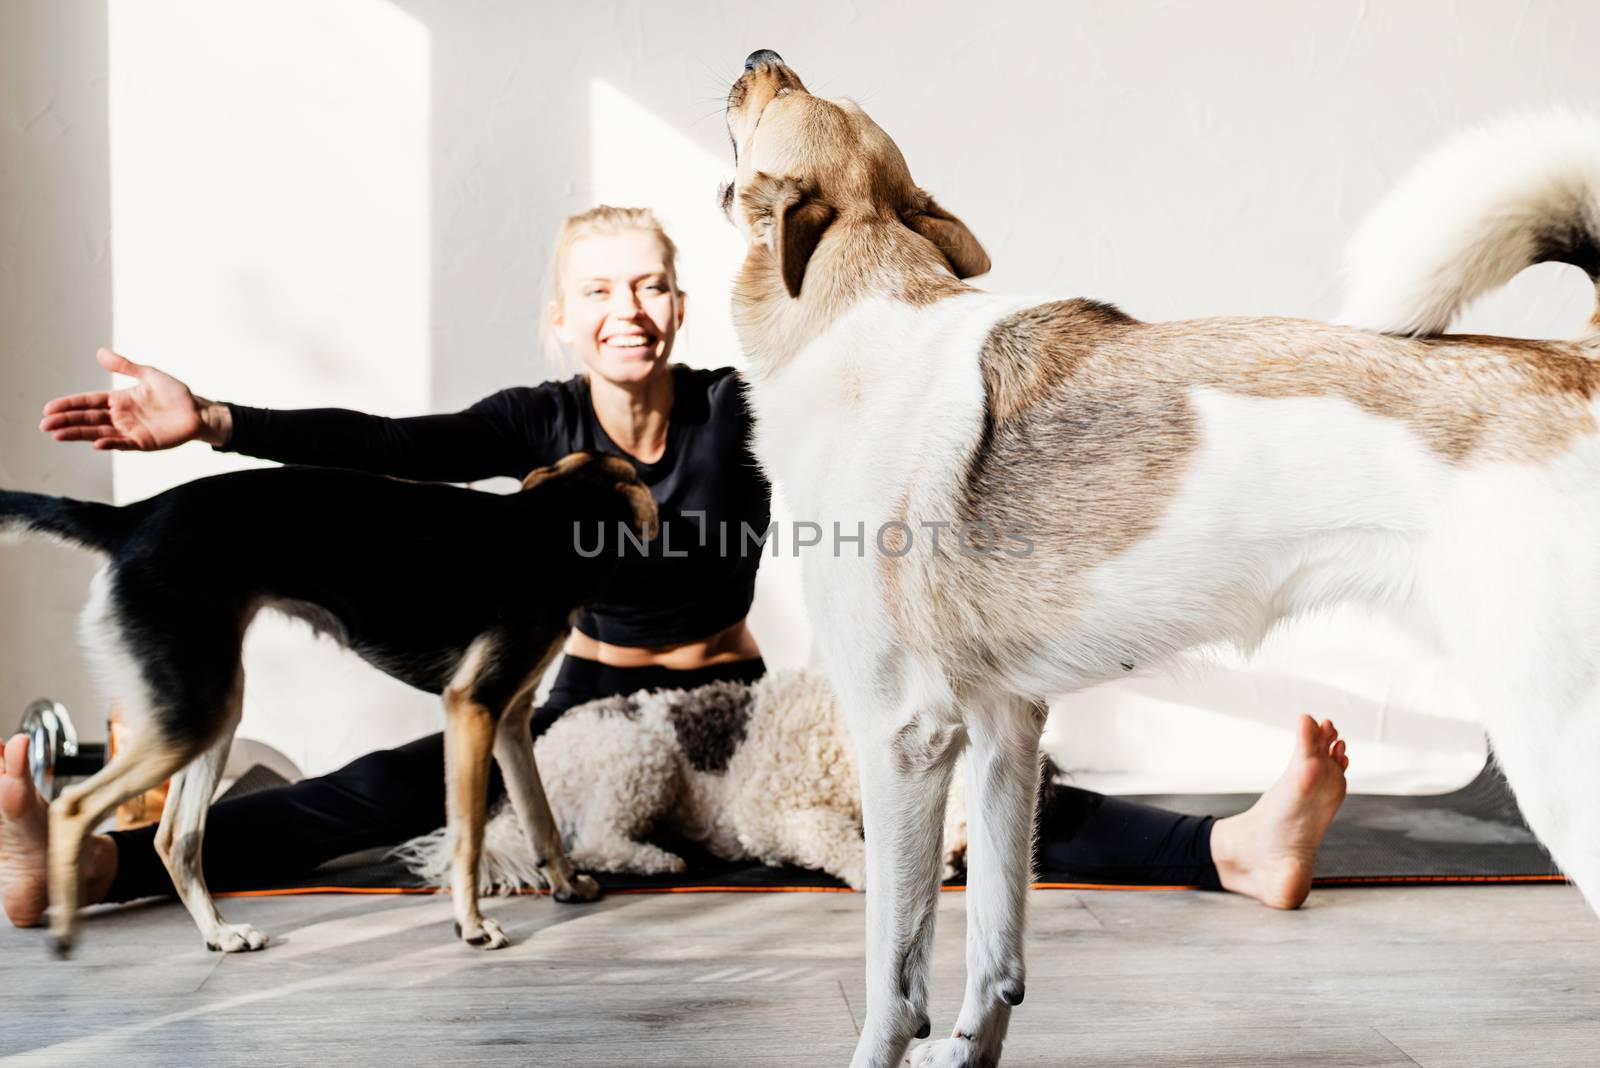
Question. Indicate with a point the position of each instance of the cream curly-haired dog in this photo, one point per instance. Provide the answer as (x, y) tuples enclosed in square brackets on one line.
[(762, 771)]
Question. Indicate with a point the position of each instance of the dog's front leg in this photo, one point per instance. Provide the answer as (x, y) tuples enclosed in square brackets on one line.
[(1002, 776), (513, 751), (468, 741), (905, 766), (178, 841)]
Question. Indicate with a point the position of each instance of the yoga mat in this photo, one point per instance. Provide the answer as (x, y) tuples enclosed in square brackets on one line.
[(1471, 835), (1474, 834)]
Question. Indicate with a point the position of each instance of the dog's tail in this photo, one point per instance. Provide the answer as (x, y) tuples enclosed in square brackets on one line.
[(1499, 198), (99, 527)]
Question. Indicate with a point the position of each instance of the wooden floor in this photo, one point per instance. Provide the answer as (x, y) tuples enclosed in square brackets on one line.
[(1426, 976)]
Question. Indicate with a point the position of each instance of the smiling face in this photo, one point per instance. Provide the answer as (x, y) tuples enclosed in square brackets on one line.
[(618, 308)]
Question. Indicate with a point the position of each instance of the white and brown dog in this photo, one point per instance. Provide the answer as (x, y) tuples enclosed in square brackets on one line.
[(1113, 492)]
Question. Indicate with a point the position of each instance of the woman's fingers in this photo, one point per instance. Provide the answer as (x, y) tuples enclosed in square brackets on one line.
[(100, 399), (88, 417), (86, 433), (116, 363)]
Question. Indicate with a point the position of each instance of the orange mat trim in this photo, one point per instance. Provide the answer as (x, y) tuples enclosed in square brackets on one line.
[(1353, 880), (1385, 880)]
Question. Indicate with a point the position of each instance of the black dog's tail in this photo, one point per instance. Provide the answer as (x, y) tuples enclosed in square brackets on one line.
[(100, 527)]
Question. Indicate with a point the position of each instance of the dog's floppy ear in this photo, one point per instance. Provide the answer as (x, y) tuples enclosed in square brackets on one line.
[(948, 234), (646, 514), (567, 463), (796, 219), (611, 472)]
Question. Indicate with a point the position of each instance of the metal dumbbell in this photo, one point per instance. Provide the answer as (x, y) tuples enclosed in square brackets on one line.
[(54, 752)]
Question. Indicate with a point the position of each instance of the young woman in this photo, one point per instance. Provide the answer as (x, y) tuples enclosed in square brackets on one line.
[(670, 621)]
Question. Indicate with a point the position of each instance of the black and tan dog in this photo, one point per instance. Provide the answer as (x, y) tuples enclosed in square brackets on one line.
[(456, 592)]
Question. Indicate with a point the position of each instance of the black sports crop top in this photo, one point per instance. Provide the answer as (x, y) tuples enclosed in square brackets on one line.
[(694, 579)]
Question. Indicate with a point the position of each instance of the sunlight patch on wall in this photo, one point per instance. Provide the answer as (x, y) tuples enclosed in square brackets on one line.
[(637, 159), (270, 219)]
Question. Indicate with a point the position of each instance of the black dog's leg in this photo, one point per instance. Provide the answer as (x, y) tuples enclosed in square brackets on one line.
[(468, 741), (513, 751)]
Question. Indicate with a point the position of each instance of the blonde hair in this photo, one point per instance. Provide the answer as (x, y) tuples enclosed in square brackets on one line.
[(602, 219)]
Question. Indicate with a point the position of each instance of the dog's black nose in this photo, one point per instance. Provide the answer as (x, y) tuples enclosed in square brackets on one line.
[(760, 56)]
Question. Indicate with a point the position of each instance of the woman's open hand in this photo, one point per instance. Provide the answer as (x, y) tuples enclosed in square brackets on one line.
[(157, 412)]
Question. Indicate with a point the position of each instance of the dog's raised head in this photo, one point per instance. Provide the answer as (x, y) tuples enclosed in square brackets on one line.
[(580, 471), (829, 212)]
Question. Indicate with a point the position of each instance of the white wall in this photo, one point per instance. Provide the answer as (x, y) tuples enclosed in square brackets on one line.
[(55, 307), (277, 165), (270, 203)]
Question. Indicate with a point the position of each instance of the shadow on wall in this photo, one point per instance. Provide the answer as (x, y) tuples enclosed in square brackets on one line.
[(55, 308)]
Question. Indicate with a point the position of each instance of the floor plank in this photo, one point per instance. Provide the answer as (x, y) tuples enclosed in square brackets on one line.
[(1429, 977)]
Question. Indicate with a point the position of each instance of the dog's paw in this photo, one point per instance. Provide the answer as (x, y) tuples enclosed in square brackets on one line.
[(584, 888), (487, 935), (665, 864), (959, 1052), (235, 938)]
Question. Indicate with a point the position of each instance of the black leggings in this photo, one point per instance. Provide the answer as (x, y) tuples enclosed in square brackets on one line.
[(1089, 837), (383, 799)]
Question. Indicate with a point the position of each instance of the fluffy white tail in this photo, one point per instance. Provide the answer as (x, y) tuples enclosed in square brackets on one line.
[(505, 866), (1471, 215)]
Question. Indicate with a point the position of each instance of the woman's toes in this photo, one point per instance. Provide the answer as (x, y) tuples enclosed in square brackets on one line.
[(16, 750), (1327, 734), (1309, 733)]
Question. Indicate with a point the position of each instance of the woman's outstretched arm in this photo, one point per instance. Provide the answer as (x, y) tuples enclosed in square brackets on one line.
[(509, 433)]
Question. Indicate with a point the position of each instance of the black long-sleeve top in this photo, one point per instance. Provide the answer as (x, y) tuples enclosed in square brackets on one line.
[(694, 579)]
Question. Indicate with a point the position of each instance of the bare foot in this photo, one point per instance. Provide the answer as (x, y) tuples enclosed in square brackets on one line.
[(24, 823), (22, 838), (1268, 852)]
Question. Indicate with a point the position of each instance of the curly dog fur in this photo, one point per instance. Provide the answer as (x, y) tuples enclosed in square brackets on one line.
[(763, 771)]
